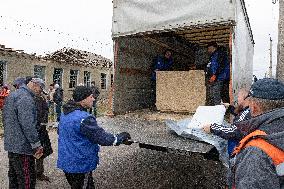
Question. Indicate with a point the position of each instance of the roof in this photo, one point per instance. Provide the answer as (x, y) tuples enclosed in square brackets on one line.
[(75, 56)]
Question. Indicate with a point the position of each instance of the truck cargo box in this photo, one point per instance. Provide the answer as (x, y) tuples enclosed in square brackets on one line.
[(143, 29)]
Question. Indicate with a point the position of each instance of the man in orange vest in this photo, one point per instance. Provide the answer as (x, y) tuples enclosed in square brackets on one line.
[(259, 158), (3, 94)]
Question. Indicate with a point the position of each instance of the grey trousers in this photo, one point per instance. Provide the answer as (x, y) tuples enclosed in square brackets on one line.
[(213, 93)]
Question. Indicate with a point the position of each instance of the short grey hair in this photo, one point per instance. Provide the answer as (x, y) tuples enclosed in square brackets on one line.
[(267, 105)]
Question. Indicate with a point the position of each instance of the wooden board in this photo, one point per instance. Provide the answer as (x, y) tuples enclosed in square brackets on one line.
[(180, 91)]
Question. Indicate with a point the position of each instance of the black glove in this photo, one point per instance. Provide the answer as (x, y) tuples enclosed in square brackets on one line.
[(122, 138)]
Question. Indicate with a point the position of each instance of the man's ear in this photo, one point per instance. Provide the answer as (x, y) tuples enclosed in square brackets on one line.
[(254, 108)]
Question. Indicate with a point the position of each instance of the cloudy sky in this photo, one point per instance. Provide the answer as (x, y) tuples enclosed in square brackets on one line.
[(43, 26)]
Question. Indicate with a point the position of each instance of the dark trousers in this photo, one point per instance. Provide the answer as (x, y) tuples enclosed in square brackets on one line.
[(39, 167), (58, 111), (225, 91), (80, 180), (21, 172), (213, 93), (153, 93), (216, 92)]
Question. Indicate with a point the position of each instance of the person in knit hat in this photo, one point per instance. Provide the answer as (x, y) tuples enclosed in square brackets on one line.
[(80, 138), (18, 82)]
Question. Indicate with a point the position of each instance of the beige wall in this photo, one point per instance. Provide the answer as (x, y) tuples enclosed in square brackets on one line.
[(22, 65)]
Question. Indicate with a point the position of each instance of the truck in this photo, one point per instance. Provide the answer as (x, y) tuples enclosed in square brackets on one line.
[(141, 29), (280, 59)]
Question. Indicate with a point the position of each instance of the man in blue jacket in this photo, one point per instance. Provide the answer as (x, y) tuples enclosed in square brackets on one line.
[(79, 139), (161, 63), (218, 73)]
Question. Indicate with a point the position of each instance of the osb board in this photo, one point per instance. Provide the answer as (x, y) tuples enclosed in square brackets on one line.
[(180, 91)]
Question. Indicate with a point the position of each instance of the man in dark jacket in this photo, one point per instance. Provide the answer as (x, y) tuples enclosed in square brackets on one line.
[(42, 120), (230, 132), (96, 94), (252, 167), (20, 135), (218, 75), (79, 139), (58, 99)]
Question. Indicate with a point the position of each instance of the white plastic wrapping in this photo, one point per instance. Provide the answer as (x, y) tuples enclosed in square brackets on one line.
[(207, 115), (192, 128), (181, 129)]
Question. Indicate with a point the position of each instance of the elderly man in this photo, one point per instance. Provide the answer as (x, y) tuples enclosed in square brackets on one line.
[(21, 136), (258, 159)]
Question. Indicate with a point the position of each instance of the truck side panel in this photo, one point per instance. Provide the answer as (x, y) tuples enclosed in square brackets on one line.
[(132, 77), (242, 51)]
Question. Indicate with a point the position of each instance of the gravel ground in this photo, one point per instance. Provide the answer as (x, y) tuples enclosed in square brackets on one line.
[(132, 167)]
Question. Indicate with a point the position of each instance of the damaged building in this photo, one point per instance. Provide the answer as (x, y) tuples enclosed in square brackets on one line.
[(68, 67)]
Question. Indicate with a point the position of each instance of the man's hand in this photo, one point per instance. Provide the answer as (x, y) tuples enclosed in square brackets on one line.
[(206, 128), (122, 138), (212, 79), (225, 104), (38, 152)]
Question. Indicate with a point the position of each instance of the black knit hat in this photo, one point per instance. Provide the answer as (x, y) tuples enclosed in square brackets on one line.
[(81, 92), (267, 88)]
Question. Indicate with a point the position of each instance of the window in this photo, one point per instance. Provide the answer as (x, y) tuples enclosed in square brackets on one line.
[(73, 78), (87, 78), (39, 71), (111, 80), (3, 72), (57, 76), (103, 81)]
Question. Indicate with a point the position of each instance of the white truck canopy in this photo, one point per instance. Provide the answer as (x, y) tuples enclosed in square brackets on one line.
[(139, 16)]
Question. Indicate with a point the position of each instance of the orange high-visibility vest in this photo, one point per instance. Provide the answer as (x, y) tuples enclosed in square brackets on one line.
[(257, 139), (3, 95)]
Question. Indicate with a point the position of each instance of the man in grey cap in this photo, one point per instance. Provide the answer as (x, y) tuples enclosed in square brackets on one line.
[(19, 81), (21, 136), (259, 157)]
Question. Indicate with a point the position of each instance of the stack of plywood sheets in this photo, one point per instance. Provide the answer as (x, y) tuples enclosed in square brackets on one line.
[(180, 91)]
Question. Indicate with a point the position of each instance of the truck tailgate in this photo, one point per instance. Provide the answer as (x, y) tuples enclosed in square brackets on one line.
[(152, 133)]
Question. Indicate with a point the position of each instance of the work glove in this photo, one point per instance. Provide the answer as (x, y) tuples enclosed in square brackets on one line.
[(122, 138), (212, 79)]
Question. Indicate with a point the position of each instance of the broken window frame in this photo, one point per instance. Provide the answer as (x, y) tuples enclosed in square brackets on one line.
[(3, 72), (58, 76), (103, 81), (73, 78), (39, 71), (87, 78), (111, 80)]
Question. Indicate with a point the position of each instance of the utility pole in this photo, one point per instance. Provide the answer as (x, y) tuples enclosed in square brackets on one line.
[(270, 63)]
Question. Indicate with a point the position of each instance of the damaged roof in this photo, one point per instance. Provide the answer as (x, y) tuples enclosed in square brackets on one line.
[(75, 56)]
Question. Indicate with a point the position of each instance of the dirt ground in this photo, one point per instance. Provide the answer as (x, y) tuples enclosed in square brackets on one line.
[(132, 167)]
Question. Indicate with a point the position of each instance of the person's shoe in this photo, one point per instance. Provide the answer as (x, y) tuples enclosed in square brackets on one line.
[(43, 178)]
